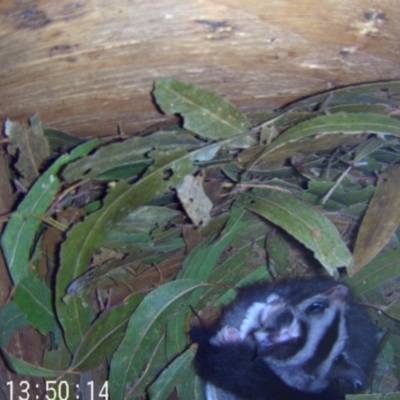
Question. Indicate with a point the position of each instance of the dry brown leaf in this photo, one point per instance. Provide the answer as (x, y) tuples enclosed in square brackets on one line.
[(380, 221), (194, 200), (31, 146)]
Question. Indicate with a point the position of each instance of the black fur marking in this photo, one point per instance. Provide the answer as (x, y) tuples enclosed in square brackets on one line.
[(284, 351), (325, 345), (234, 368), (284, 318)]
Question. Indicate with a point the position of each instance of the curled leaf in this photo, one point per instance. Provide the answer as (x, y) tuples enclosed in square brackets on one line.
[(194, 200), (308, 225), (31, 146), (381, 219)]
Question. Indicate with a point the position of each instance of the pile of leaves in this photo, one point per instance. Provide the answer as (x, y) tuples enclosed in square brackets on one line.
[(112, 240)]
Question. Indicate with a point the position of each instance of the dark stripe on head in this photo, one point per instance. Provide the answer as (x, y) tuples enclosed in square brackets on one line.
[(325, 345), (285, 318), (284, 351)]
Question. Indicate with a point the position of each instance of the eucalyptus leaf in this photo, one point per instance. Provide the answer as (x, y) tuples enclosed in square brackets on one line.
[(383, 366), (381, 269), (60, 141), (395, 343), (24, 368), (35, 300), (126, 171), (104, 335), (171, 376), (154, 359), (97, 277), (381, 220), (202, 260), (146, 219), (190, 386), (203, 112), (339, 195), (228, 273), (176, 337), (143, 331), (308, 225), (393, 310), (129, 155), (31, 146), (19, 235), (11, 319), (367, 148), (231, 271), (259, 274), (57, 358), (351, 94), (337, 123), (388, 396), (194, 199)]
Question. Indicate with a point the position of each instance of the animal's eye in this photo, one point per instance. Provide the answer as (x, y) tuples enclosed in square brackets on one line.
[(316, 308)]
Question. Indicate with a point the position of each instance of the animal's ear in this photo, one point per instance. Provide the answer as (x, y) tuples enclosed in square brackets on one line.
[(350, 375), (200, 335), (203, 322), (339, 292)]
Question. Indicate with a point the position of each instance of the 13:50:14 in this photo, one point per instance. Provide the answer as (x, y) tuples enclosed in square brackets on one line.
[(58, 390)]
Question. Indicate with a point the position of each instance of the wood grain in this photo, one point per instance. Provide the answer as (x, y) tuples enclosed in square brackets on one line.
[(89, 66)]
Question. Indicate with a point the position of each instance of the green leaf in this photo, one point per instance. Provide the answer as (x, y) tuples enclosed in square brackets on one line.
[(58, 357), (202, 260), (259, 274), (155, 360), (354, 94), (18, 237), (31, 146), (104, 335), (228, 273), (144, 220), (388, 396), (129, 154), (190, 386), (305, 223), (24, 368), (383, 366), (144, 330), (35, 301), (381, 269), (339, 195), (83, 239), (60, 141), (393, 310), (127, 171), (11, 319), (203, 111), (395, 344), (100, 276), (171, 376), (337, 123), (176, 337), (248, 231)]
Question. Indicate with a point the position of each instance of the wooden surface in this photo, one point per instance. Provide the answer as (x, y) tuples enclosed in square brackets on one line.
[(89, 66)]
